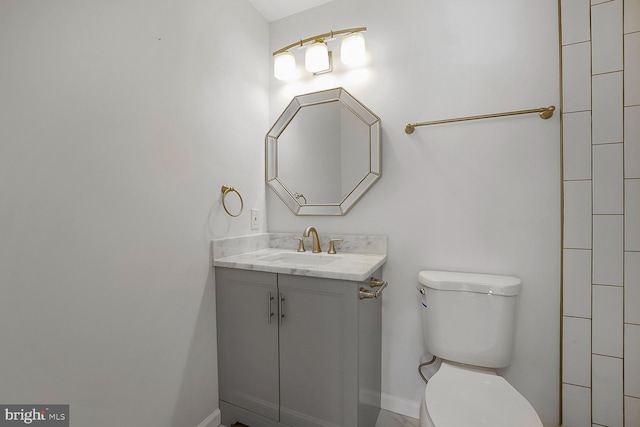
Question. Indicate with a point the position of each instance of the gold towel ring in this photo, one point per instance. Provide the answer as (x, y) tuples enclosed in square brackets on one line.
[(226, 190)]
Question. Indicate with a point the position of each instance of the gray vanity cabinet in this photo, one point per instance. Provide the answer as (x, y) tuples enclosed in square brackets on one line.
[(248, 340), (314, 362)]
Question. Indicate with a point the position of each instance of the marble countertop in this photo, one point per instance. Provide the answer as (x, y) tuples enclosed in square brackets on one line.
[(265, 252)]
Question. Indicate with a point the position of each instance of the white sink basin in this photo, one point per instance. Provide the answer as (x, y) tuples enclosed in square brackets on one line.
[(301, 259)]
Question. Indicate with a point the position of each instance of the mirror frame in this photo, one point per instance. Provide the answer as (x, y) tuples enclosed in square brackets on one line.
[(361, 112)]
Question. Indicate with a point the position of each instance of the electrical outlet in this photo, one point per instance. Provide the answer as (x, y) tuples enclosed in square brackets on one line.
[(255, 219)]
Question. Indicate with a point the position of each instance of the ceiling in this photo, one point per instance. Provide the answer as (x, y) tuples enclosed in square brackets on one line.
[(273, 10)]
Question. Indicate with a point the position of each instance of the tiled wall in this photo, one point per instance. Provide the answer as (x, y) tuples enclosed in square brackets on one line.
[(601, 167)]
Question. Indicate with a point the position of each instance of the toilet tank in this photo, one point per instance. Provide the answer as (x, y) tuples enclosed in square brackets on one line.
[(469, 318)]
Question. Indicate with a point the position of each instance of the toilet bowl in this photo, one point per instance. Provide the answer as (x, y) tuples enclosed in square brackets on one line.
[(463, 396), (468, 322)]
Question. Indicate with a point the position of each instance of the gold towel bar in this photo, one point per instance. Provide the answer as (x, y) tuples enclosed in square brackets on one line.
[(545, 113)]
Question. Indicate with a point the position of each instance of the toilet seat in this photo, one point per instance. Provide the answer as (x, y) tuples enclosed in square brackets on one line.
[(461, 396)]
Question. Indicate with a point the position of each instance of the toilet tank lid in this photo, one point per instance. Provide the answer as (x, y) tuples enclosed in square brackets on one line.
[(471, 282)]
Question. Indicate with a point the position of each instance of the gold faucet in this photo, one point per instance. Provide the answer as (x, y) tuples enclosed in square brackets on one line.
[(316, 241)]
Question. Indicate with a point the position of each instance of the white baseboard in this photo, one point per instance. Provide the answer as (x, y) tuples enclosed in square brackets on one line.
[(400, 405), (212, 420), (388, 402)]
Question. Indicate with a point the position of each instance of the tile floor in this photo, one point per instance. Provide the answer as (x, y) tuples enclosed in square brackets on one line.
[(391, 419), (386, 419)]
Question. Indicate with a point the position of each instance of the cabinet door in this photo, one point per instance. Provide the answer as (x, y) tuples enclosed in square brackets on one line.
[(318, 352), (248, 340)]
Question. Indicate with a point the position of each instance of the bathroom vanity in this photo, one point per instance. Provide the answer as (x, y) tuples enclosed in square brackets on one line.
[(299, 342)]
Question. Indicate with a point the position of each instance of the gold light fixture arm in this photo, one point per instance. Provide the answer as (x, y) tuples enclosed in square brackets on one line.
[(330, 34), (544, 112)]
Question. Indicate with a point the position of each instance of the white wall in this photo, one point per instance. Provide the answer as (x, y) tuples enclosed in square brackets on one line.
[(119, 122), (478, 196)]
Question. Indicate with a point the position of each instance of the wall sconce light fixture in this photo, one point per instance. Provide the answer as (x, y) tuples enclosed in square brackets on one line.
[(284, 66), (318, 57)]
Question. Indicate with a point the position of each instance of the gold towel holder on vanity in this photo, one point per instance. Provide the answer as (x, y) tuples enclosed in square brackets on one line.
[(365, 293), (226, 190), (544, 112)]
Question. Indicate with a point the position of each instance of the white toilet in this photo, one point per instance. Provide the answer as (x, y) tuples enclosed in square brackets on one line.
[(468, 321)]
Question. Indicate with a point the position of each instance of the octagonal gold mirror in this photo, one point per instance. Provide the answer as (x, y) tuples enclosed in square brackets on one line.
[(323, 153)]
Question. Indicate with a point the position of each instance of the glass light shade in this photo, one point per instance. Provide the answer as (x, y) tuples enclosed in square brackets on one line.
[(316, 57), (352, 49), (284, 66)]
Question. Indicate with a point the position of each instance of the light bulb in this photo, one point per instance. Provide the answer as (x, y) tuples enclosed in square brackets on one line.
[(352, 50), (316, 57), (284, 66)]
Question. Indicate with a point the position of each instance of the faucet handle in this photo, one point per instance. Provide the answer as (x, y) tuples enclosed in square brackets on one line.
[(300, 244), (332, 248)]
